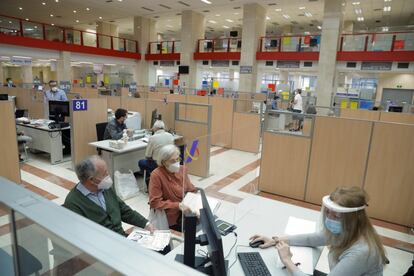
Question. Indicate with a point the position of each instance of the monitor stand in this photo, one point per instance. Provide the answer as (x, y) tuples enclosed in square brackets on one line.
[(201, 264)]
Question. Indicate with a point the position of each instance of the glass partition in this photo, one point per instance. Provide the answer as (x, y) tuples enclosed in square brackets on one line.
[(353, 42), (53, 33), (6, 244), (289, 122), (32, 30)]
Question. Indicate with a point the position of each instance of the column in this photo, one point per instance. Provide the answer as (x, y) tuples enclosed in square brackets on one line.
[(63, 69), (107, 29), (192, 29), (348, 26), (144, 32), (331, 30), (26, 75), (254, 27), (1, 74)]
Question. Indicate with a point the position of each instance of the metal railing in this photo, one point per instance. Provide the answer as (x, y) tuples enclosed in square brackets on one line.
[(228, 44), (43, 31)]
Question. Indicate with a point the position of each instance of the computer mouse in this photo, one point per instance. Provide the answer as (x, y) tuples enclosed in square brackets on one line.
[(256, 244)]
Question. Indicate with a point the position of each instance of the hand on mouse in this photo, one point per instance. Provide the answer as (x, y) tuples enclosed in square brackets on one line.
[(268, 242)]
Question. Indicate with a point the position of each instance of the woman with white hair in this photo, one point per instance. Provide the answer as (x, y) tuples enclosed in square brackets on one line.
[(168, 185)]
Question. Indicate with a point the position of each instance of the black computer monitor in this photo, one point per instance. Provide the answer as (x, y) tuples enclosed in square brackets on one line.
[(210, 237), (58, 110), (395, 108), (4, 97)]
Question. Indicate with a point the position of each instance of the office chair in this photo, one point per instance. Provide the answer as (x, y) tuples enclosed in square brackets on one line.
[(100, 130), (20, 113)]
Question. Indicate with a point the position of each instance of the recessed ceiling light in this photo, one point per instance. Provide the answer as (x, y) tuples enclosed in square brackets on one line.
[(385, 29), (206, 1), (77, 21), (358, 11), (212, 21), (360, 18), (57, 1), (52, 24), (387, 0), (302, 8), (267, 18), (355, 3), (20, 8), (286, 16), (217, 14), (278, 10), (119, 0), (236, 13), (226, 27), (74, 11), (44, 3), (27, 19), (100, 17), (88, 9), (35, 27), (10, 22), (51, 15), (308, 14), (387, 8), (229, 20), (319, 27)]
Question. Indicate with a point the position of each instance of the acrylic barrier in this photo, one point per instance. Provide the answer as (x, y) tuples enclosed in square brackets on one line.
[(68, 244)]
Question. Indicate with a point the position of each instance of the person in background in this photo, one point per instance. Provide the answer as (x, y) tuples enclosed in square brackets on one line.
[(155, 143), (54, 93), (354, 246), (94, 198), (115, 128), (297, 107), (311, 109), (9, 83), (168, 185), (274, 101), (101, 85)]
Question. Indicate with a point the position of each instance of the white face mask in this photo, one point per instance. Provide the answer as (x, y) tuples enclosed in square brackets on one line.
[(174, 168), (106, 183), (54, 89)]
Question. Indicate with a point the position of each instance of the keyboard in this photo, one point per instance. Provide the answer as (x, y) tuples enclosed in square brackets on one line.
[(253, 264)]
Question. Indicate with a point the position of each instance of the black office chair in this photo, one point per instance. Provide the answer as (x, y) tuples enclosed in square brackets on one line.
[(100, 130), (20, 113)]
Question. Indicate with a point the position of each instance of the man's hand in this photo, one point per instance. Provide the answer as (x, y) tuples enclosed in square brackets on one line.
[(130, 132), (150, 228)]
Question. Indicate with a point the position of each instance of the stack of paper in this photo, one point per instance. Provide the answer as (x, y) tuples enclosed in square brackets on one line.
[(156, 241), (193, 201)]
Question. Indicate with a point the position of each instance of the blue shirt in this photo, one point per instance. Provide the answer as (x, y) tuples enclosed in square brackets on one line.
[(97, 198), (59, 95)]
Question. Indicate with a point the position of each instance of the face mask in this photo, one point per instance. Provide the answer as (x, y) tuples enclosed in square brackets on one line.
[(105, 184), (174, 168), (54, 89), (334, 226)]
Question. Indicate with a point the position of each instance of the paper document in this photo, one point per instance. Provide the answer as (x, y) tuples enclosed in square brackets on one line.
[(302, 255), (193, 201), (156, 241)]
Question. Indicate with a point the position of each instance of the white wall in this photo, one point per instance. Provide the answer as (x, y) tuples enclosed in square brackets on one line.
[(392, 80)]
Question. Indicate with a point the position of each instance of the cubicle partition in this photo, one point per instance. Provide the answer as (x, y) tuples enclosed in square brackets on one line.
[(362, 114), (164, 108), (221, 121), (376, 156), (83, 127), (196, 134), (29, 99), (114, 102), (135, 104), (396, 117), (246, 130), (10, 168), (86, 92)]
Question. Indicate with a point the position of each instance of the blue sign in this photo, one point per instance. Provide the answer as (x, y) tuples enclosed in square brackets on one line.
[(80, 105)]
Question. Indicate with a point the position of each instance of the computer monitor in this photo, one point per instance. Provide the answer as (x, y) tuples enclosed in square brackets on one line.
[(58, 110), (4, 97), (210, 237), (154, 117), (394, 108)]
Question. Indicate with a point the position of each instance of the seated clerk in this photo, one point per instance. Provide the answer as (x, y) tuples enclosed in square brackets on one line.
[(115, 128), (168, 185), (94, 198), (354, 246), (54, 93), (155, 143)]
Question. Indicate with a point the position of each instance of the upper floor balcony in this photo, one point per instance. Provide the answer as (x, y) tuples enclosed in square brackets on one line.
[(27, 33), (163, 50), (228, 48)]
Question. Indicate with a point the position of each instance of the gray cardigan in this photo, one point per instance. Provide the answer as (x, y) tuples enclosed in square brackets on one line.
[(355, 261)]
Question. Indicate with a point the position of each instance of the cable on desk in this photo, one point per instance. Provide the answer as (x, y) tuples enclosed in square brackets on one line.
[(231, 248), (235, 257)]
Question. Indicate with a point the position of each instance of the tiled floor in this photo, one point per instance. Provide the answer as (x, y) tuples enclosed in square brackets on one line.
[(233, 179)]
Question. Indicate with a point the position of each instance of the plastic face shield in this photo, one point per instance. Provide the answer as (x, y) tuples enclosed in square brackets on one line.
[(329, 204)]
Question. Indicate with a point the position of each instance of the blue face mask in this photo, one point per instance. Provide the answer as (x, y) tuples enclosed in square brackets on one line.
[(334, 226)]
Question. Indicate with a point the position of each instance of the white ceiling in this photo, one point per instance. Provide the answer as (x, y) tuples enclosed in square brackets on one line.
[(167, 13)]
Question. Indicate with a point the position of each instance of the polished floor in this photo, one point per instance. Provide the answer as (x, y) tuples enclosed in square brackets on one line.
[(233, 178)]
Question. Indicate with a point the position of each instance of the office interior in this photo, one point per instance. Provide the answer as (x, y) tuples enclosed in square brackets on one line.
[(223, 77)]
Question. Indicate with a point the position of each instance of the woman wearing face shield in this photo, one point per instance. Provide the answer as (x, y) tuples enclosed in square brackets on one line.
[(168, 185), (354, 246)]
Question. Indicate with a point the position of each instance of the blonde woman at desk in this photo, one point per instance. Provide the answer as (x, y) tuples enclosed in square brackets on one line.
[(354, 246)]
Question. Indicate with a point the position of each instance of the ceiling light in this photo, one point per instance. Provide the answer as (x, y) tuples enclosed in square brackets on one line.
[(385, 29), (168, 26), (358, 11), (212, 21), (91, 30), (20, 8), (355, 3), (52, 24), (387, 0), (57, 1), (308, 14), (77, 21), (226, 27), (319, 27), (206, 1), (278, 10), (88, 9), (74, 11), (360, 18), (119, 0), (307, 33), (267, 18), (51, 15), (286, 16), (100, 17), (35, 27), (387, 8), (236, 13), (27, 19), (10, 22), (302, 8), (229, 20), (43, 3), (217, 14)]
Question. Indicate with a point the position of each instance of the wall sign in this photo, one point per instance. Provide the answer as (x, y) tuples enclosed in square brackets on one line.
[(21, 60), (246, 69), (80, 105)]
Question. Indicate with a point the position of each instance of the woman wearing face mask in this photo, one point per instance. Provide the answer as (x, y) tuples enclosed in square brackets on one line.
[(168, 185), (354, 246)]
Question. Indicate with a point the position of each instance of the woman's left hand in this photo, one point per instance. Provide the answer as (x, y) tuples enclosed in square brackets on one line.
[(284, 251)]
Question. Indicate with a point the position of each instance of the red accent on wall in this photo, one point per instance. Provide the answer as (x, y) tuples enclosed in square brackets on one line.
[(175, 56), (376, 56), (217, 56), (60, 46), (287, 55)]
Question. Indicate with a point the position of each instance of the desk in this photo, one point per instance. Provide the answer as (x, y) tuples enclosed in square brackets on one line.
[(255, 215), (45, 139), (126, 158)]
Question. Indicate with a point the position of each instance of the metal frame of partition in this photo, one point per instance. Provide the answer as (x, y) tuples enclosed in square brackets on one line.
[(95, 240)]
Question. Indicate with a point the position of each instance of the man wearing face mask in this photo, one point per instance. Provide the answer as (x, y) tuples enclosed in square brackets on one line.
[(168, 185), (54, 93), (94, 199), (115, 128)]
